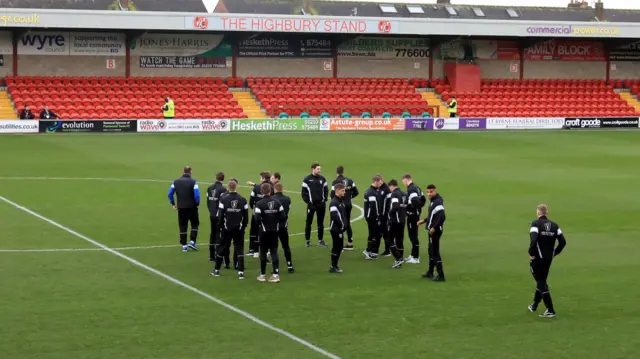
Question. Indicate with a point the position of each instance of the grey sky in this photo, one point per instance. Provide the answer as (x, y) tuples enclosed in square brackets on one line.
[(608, 4), (611, 4)]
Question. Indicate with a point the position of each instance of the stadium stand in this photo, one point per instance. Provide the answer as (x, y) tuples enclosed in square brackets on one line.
[(539, 98), (117, 98), (335, 96)]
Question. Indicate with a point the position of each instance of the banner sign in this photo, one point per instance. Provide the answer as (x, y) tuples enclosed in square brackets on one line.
[(203, 45), (182, 62), (514, 123), (473, 123), (18, 126), (602, 122), (629, 52), (291, 24), (183, 125), (366, 124), (72, 43), (276, 45), (50, 126), (385, 48), (566, 50), (418, 124), (274, 125)]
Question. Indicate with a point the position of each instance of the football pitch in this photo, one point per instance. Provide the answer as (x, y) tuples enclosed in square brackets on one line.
[(67, 200)]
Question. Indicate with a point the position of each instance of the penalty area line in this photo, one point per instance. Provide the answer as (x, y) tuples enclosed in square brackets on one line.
[(173, 280)]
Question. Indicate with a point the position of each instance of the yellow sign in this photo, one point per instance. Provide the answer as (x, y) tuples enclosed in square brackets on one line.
[(19, 20), (600, 31)]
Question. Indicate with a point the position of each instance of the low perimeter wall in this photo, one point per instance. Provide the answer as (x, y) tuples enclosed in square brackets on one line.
[(313, 125)]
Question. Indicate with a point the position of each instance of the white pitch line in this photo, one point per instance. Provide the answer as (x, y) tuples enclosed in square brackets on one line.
[(174, 280), (361, 216)]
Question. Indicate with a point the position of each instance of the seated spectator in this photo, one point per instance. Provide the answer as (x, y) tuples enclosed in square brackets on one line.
[(386, 115), (426, 115), (26, 113), (304, 115), (283, 115), (45, 114), (325, 115), (366, 115), (406, 114), (345, 114)]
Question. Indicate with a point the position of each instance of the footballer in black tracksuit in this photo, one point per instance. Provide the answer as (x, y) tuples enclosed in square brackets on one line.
[(372, 214), (435, 226), (269, 214), (337, 227), (350, 192), (214, 192), (396, 217), (187, 191), (256, 195), (543, 234), (416, 200), (315, 193), (233, 216), (384, 195), (283, 233)]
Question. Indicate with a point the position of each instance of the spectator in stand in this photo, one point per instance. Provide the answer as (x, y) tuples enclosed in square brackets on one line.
[(453, 106), (169, 109), (45, 114), (26, 113)]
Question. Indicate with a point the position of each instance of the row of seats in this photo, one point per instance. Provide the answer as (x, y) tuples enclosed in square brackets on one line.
[(313, 110), (344, 95), (536, 92), (324, 80), (123, 81), (543, 82), (334, 87), (167, 89), (129, 114)]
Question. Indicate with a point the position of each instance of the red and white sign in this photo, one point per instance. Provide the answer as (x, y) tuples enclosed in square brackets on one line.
[(327, 65), (111, 64), (566, 50), (183, 125), (513, 67), (200, 23), (384, 26), (18, 126), (265, 24), (532, 123)]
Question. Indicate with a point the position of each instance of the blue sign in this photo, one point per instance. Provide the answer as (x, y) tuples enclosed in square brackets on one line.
[(275, 45)]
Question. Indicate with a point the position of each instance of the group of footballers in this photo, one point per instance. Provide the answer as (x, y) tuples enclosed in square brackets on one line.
[(387, 210)]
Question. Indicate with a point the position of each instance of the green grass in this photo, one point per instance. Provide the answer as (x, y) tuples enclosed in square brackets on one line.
[(92, 304)]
